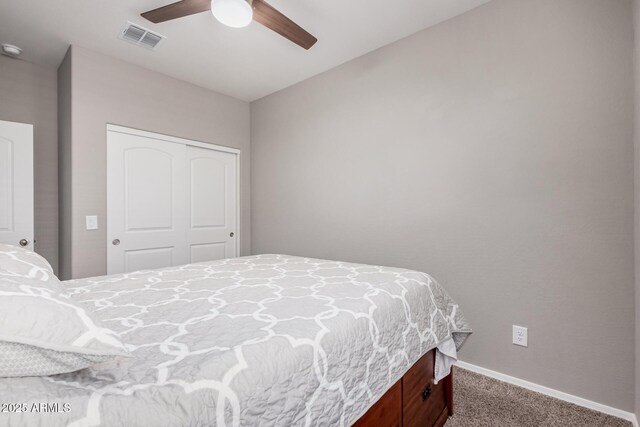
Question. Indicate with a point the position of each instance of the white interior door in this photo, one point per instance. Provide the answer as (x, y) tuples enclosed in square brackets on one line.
[(16, 184), (146, 199), (170, 201), (212, 204)]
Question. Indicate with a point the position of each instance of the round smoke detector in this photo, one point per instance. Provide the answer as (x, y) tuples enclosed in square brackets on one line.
[(11, 50)]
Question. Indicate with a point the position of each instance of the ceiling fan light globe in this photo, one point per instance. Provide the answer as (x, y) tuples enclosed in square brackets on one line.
[(232, 13)]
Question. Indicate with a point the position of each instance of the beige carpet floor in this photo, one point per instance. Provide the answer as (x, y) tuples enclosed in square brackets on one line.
[(483, 401)]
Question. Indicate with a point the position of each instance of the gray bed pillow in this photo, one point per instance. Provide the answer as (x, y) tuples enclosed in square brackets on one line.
[(20, 262), (45, 332)]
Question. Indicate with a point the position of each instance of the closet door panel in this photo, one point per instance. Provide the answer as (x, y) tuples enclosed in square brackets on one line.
[(149, 189), (208, 192), (208, 251), (146, 203), (148, 259), (212, 232)]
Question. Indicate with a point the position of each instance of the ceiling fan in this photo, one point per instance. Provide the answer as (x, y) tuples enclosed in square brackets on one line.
[(237, 14)]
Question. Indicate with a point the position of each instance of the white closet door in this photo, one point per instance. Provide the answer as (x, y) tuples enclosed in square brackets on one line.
[(146, 199), (212, 232), (16, 184)]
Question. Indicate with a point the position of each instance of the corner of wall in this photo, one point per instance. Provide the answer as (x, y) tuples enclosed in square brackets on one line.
[(636, 191), (64, 164)]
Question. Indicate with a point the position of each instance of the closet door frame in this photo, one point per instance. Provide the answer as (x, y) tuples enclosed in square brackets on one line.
[(189, 142)]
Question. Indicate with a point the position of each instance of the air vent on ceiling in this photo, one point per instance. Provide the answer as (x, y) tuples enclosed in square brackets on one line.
[(141, 36)]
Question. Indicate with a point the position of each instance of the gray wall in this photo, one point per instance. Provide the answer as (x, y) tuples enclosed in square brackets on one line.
[(28, 94), (636, 141), (494, 151), (105, 90), (64, 163)]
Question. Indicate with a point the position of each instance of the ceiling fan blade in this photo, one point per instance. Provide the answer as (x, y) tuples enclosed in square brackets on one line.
[(177, 10), (271, 18)]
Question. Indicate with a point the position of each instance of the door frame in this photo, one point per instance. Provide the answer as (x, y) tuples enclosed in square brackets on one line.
[(188, 142)]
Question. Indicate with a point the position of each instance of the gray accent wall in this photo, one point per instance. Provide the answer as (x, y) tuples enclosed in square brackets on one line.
[(494, 151), (64, 163), (636, 141), (28, 94), (105, 90)]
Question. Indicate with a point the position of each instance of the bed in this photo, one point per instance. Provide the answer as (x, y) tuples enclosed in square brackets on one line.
[(256, 341)]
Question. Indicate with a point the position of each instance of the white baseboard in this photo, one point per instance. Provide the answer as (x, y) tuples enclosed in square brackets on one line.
[(551, 392)]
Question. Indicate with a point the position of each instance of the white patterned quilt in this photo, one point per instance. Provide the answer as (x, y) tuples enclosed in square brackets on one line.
[(267, 340)]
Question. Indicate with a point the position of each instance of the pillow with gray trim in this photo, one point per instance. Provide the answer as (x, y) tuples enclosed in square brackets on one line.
[(20, 262), (45, 332)]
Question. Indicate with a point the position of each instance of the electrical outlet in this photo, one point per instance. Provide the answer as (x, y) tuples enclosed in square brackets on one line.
[(520, 336)]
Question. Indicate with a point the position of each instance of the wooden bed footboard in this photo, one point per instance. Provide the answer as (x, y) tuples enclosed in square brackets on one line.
[(414, 401)]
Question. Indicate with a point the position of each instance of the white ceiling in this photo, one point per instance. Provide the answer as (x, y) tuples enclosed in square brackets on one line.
[(246, 63)]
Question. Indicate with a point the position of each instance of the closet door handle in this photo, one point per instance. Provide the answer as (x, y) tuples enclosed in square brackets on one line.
[(23, 242), (115, 242), (232, 234)]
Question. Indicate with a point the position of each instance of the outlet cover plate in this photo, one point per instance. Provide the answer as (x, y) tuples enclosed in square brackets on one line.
[(92, 222), (520, 336)]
